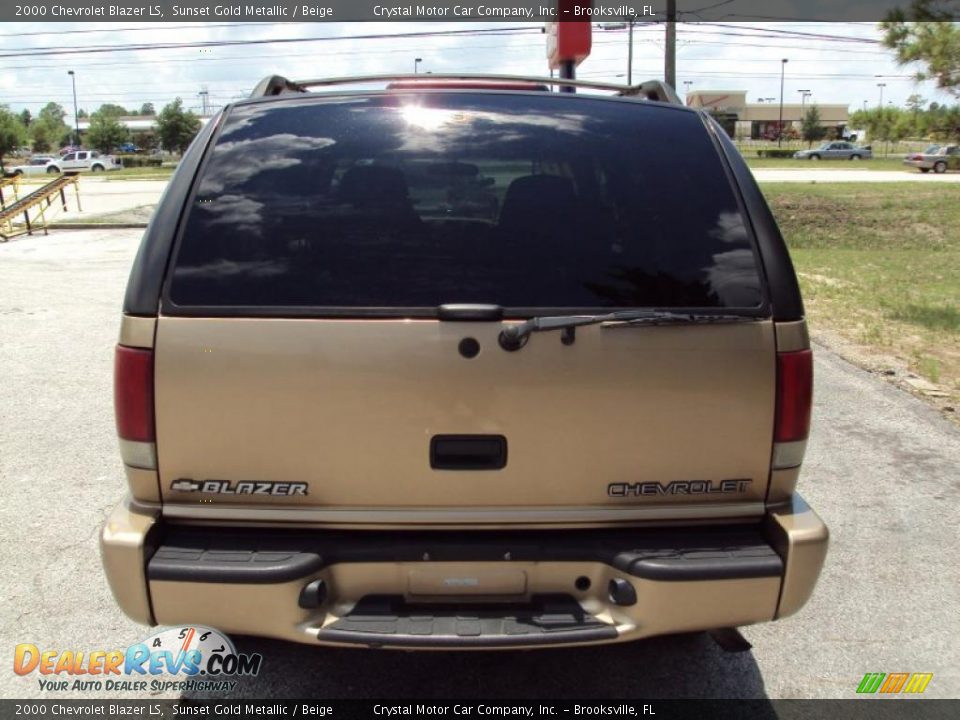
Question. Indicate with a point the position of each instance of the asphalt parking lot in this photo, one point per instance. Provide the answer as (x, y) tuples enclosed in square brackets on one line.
[(882, 470)]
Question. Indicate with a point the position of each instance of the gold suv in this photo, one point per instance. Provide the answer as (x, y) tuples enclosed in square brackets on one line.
[(462, 363)]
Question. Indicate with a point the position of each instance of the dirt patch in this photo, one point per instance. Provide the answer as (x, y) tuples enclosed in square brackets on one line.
[(823, 280), (892, 367), (131, 216)]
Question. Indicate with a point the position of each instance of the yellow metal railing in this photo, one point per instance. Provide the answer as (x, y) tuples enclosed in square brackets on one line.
[(9, 183), (16, 219)]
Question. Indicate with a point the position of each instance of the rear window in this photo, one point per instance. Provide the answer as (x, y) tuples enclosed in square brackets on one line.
[(409, 201)]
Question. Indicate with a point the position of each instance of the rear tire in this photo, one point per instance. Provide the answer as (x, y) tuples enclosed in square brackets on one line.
[(940, 167), (854, 158), (52, 170), (814, 157), (97, 168)]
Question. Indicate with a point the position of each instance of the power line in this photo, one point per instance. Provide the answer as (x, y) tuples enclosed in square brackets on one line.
[(80, 50), (259, 58), (158, 27), (373, 52), (798, 33)]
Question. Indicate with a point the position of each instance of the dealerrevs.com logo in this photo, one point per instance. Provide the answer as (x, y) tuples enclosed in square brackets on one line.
[(173, 659)]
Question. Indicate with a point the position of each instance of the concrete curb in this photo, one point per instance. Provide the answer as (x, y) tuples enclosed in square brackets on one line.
[(95, 226)]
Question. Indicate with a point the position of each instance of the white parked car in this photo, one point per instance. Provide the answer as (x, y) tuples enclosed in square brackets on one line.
[(36, 165), (83, 160)]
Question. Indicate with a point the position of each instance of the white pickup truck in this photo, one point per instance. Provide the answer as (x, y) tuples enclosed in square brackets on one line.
[(84, 160)]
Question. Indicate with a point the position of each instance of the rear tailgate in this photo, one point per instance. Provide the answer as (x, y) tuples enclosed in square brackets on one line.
[(302, 370), (349, 408)]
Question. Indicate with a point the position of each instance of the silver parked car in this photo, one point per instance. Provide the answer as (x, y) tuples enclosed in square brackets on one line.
[(835, 150), (36, 165), (938, 158)]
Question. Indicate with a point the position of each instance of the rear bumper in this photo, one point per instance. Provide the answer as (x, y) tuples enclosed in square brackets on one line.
[(470, 589)]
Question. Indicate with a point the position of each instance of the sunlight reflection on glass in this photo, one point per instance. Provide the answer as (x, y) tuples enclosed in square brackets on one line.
[(426, 118)]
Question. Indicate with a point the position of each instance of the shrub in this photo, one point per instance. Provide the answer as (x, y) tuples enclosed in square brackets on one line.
[(131, 161), (776, 153)]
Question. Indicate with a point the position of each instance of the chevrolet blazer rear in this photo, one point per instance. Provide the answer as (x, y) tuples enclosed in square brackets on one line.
[(462, 368)]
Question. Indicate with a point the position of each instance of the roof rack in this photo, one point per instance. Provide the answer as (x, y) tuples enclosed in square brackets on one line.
[(654, 90)]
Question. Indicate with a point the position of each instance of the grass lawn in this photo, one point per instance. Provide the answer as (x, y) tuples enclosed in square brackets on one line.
[(139, 173), (877, 163), (879, 265)]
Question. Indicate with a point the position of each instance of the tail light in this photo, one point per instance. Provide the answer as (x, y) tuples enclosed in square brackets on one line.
[(794, 402), (133, 402)]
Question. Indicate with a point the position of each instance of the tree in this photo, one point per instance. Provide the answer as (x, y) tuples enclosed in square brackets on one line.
[(81, 113), (177, 127), (25, 117), (147, 109), (924, 35), (12, 134), (112, 110), (145, 139), (49, 128), (52, 113), (810, 128), (943, 123), (916, 102), (106, 132), (40, 138)]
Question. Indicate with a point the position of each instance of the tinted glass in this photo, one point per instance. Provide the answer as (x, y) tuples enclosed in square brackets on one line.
[(413, 201)]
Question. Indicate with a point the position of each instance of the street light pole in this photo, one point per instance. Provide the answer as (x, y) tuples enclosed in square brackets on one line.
[(76, 118), (804, 94), (670, 51), (688, 84), (881, 86), (416, 63), (783, 67)]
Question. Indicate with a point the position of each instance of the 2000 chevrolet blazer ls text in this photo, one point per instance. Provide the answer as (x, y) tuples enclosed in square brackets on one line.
[(465, 365)]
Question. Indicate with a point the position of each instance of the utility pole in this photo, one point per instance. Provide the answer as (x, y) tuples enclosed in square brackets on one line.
[(568, 71), (76, 116), (783, 67), (670, 54)]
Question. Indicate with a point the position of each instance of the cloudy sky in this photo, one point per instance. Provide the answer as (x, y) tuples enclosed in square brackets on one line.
[(837, 62)]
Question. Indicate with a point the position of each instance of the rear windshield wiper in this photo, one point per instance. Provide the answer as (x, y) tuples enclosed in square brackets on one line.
[(515, 337)]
